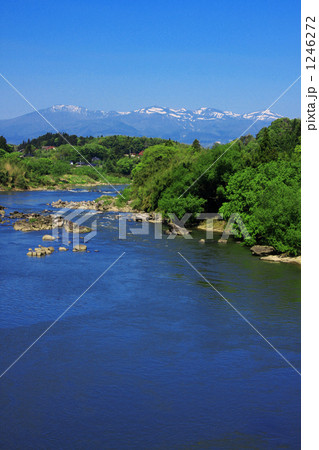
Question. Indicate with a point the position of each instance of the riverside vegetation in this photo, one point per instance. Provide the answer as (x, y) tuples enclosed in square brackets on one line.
[(257, 177), (48, 162)]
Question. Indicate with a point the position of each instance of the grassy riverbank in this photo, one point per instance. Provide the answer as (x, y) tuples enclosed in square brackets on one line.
[(68, 182), (36, 174), (54, 160)]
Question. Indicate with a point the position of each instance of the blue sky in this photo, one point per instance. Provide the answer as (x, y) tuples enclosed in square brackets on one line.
[(122, 55)]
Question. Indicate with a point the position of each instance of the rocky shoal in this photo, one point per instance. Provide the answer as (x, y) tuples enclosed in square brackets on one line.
[(39, 222)]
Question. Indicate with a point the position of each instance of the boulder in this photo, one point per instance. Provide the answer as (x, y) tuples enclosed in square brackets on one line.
[(48, 237), (222, 241), (262, 250), (71, 227), (144, 217), (176, 229), (57, 222), (62, 249), (202, 241), (80, 248), (282, 258), (44, 250)]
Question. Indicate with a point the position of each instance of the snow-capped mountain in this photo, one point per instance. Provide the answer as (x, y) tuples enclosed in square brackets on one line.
[(203, 113), (206, 124)]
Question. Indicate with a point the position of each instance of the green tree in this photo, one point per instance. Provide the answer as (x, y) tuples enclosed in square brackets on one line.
[(196, 145), (125, 165), (4, 145), (29, 150), (266, 151)]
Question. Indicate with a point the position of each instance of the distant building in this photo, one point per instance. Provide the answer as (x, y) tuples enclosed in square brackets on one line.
[(96, 159), (48, 147)]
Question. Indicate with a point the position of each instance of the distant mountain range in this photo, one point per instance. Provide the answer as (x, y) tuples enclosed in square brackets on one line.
[(208, 125)]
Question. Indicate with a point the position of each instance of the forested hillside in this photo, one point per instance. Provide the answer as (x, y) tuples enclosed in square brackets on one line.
[(259, 178)]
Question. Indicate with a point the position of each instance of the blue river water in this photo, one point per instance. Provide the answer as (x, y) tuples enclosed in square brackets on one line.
[(150, 357)]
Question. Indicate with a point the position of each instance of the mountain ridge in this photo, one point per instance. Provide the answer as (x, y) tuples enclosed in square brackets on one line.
[(206, 124)]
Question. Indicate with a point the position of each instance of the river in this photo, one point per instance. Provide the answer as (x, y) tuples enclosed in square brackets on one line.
[(150, 357)]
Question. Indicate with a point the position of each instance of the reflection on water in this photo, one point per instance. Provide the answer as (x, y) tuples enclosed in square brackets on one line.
[(150, 356)]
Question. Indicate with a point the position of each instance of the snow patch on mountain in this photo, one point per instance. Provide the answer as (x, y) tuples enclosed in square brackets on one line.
[(69, 108)]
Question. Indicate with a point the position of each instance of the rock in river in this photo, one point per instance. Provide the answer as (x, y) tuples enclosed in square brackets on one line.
[(38, 222), (48, 237), (282, 258), (40, 251), (262, 250), (80, 248)]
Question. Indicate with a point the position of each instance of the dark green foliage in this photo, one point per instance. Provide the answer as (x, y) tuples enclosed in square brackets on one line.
[(4, 177), (29, 150), (196, 145), (267, 151), (51, 139), (268, 201), (3, 144)]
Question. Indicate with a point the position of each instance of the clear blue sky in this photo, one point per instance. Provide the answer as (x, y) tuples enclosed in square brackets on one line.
[(122, 55)]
